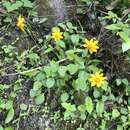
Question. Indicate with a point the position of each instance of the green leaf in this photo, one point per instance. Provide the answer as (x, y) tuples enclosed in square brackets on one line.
[(113, 27), (75, 39), (124, 119), (125, 46), (118, 82), (64, 97), (69, 25), (119, 127), (37, 85), (72, 68), (96, 93), (125, 81), (61, 43), (126, 39), (50, 82), (8, 7), (70, 54), (47, 70), (17, 5), (23, 106), (1, 128), (100, 107), (69, 107), (32, 93), (9, 104), (92, 68), (9, 116), (83, 74), (105, 85), (8, 20), (62, 70), (8, 128), (115, 113), (89, 105), (27, 3), (11, 7), (82, 108), (82, 116), (54, 66), (2, 105), (80, 84), (40, 99), (33, 57), (80, 129)]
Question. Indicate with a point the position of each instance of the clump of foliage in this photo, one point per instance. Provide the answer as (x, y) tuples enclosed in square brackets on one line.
[(60, 74)]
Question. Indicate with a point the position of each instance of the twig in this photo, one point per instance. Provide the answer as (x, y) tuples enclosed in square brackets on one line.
[(31, 70)]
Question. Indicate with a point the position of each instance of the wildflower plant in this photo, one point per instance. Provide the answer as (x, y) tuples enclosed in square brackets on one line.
[(62, 75), (71, 71)]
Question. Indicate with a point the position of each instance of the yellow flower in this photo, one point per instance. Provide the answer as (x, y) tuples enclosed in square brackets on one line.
[(56, 34), (91, 45), (21, 23), (97, 79)]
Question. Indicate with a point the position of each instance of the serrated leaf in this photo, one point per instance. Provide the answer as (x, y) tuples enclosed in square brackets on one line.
[(37, 85), (82, 108), (80, 84), (69, 107), (7, 5), (70, 54), (62, 70), (72, 68), (8, 20), (32, 93), (27, 3), (50, 82), (17, 5), (64, 97), (9, 104)]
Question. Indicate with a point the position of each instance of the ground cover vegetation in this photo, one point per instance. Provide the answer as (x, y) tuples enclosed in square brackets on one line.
[(72, 76)]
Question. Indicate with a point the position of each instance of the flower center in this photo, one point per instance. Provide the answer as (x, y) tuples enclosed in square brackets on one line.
[(97, 80), (57, 35), (90, 46)]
